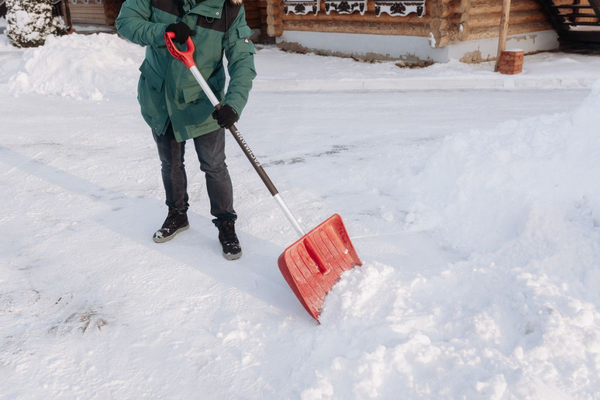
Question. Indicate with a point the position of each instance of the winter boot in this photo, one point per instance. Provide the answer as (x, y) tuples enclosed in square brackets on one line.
[(229, 240), (176, 222)]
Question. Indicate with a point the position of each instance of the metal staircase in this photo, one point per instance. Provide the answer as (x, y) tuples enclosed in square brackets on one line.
[(576, 21)]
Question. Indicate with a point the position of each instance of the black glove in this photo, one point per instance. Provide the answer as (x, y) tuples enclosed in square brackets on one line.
[(181, 30), (226, 116)]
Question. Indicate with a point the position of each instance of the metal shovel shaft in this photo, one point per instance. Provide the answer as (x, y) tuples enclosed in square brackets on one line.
[(251, 157)]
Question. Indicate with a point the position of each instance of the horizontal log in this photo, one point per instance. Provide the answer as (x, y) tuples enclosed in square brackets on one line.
[(486, 33), (87, 20), (274, 9), (443, 42), (516, 5), (275, 30), (359, 27), (273, 20), (89, 17), (439, 24), (85, 10), (89, 12), (475, 2), (516, 18), (253, 15), (444, 10), (432, 2), (410, 19)]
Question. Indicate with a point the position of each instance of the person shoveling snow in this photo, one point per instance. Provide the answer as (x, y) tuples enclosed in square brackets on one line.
[(313, 264), (176, 108)]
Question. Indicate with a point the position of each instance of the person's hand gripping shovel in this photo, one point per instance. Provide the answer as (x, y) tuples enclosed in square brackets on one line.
[(313, 264)]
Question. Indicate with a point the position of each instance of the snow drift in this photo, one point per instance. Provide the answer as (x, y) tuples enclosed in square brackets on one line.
[(81, 67), (482, 188), (519, 317)]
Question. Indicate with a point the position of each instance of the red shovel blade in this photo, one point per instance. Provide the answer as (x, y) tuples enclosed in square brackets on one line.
[(313, 264)]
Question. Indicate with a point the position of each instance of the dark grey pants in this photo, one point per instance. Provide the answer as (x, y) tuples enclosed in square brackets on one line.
[(210, 149)]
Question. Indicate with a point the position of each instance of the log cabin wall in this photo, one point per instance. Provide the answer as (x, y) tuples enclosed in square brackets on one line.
[(88, 12), (482, 19), (256, 17), (101, 12), (112, 9), (252, 13), (369, 23), (445, 22)]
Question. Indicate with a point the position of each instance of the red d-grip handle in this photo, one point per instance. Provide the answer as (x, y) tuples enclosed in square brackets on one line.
[(186, 57)]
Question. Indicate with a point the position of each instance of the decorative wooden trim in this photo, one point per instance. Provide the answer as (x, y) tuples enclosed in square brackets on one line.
[(346, 6), (301, 7), (399, 8)]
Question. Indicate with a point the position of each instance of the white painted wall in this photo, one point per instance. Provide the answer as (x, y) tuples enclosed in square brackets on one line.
[(529, 42), (400, 47), (410, 47)]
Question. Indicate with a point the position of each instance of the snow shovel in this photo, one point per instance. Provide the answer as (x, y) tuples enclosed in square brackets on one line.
[(313, 264)]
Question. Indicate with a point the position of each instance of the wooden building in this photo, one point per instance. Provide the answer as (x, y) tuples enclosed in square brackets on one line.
[(436, 30), (100, 12), (409, 30), (104, 12)]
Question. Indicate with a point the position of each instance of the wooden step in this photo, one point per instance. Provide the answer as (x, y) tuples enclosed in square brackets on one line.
[(581, 23), (573, 6), (582, 36), (577, 15)]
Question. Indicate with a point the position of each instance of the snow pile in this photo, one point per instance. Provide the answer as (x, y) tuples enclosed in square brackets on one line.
[(5, 43), (482, 188), (81, 67), (519, 318)]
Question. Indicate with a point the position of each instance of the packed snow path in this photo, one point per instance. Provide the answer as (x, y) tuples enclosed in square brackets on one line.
[(475, 213)]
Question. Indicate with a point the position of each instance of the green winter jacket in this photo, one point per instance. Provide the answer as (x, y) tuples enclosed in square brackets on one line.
[(167, 91)]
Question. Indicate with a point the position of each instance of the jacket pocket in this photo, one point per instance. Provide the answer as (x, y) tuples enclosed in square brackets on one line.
[(153, 78), (244, 44), (151, 97), (191, 93)]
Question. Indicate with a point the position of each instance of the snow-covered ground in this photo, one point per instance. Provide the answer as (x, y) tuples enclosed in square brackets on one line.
[(475, 213)]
